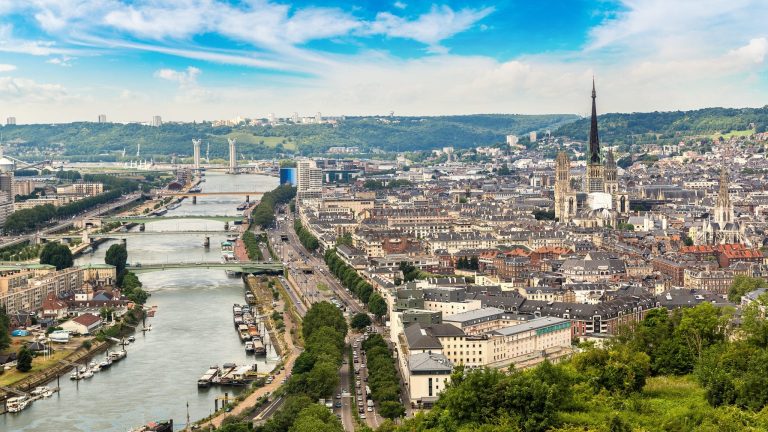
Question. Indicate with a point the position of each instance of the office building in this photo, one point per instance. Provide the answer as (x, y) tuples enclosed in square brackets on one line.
[(157, 121), (102, 118), (10, 121)]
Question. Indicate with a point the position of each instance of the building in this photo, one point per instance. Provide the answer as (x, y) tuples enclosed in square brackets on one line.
[(157, 121), (512, 140), (102, 118), (10, 121), (23, 187), (428, 375), (6, 209), (532, 136), (601, 202), (232, 156), (310, 179), (723, 228), (41, 280), (295, 117), (83, 324), (196, 153), (318, 117), (81, 189), (288, 175)]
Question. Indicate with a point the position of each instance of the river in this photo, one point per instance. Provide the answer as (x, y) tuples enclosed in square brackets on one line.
[(191, 331)]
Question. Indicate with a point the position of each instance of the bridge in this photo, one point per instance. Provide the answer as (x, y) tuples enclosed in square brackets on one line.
[(129, 234), (148, 219), (166, 192), (243, 266)]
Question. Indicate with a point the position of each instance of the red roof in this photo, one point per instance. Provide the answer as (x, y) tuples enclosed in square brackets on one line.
[(87, 319)]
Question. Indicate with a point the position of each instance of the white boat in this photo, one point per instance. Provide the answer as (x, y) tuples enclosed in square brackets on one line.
[(59, 336), (16, 404), (118, 355), (95, 368), (41, 390), (132, 339)]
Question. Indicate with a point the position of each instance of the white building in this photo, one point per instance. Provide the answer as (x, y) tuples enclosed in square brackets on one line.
[(532, 136), (10, 121), (310, 179), (102, 118), (512, 140), (157, 121), (428, 375)]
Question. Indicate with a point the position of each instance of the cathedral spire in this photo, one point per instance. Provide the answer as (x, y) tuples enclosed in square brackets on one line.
[(594, 140)]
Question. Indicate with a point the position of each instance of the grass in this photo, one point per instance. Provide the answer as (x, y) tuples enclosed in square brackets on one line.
[(11, 376), (741, 133), (269, 141), (667, 403)]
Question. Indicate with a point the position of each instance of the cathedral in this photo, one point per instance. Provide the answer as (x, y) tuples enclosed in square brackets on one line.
[(724, 228), (599, 203)]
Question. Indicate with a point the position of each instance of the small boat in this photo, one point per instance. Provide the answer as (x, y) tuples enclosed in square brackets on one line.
[(249, 347), (174, 206), (242, 206), (158, 426), (95, 368), (131, 338), (41, 391), (105, 364), (118, 355), (17, 404), (259, 348), (86, 373), (205, 380)]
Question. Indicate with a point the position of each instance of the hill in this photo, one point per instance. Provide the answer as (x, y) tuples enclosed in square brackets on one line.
[(669, 127), (106, 141)]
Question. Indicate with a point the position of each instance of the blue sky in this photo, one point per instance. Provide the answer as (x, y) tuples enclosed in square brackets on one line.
[(67, 60)]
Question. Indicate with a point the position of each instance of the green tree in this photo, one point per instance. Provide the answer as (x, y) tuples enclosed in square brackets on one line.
[(377, 305), (5, 335), (117, 255), (702, 326), (316, 418), (742, 285), (360, 321), (56, 254), (323, 314), (391, 409), (24, 360)]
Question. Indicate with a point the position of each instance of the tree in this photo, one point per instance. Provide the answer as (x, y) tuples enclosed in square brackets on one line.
[(391, 409), (117, 255), (24, 360), (360, 321), (323, 314), (56, 254), (5, 335), (377, 305), (702, 326), (742, 285)]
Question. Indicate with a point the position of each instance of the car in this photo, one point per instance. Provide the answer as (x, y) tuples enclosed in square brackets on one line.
[(337, 405), (361, 410), (359, 391), (362, 416), (338, 395), (359, 398), (370, 409), (365, 379)]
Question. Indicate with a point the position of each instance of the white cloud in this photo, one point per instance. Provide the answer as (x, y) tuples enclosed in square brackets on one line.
[(64, 61), (7, 67), (440, 23), (189, 89), (754, 52), (23, 90), (400, 5)]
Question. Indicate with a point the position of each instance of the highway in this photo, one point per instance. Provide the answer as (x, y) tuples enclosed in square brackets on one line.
[(295, 258), (60, 225)]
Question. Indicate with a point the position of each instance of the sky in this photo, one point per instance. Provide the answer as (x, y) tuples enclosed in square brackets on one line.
[(71, 60)]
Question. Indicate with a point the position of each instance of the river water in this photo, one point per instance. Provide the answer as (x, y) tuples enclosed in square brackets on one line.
[(191, 331)]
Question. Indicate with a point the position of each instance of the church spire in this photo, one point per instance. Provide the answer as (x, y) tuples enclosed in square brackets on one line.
[(594, 140)]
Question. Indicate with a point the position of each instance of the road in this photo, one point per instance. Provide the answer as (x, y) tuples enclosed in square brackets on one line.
[(60, 225), (294, 257)]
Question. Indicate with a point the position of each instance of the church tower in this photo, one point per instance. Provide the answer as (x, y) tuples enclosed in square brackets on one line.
[(562, 187), (723, 207), (595, 176), (611, 174)]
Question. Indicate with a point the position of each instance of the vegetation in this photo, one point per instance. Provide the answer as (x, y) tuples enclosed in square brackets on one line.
[(382, 377), (315, 374), (85, 141), (465, 263), (20, 252), (349, 277), (35, 217), (5, 330), (132, 288), (627, 130), (305, 237), (264, 213), (251, 242), (129, 283), (56, 254), (360, 321), (742, 285), (117, 255), (24, 360)]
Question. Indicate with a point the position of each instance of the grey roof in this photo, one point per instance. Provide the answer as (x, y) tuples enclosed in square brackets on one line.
[(429, 363), (475, 316), (533, 324), (420, 339)]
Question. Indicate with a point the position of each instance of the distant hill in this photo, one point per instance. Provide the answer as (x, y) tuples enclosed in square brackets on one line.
[(105, 141), (665, 127)]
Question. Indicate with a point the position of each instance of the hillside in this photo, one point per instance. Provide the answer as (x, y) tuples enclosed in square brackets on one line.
[(84, 141), (667, 127)]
